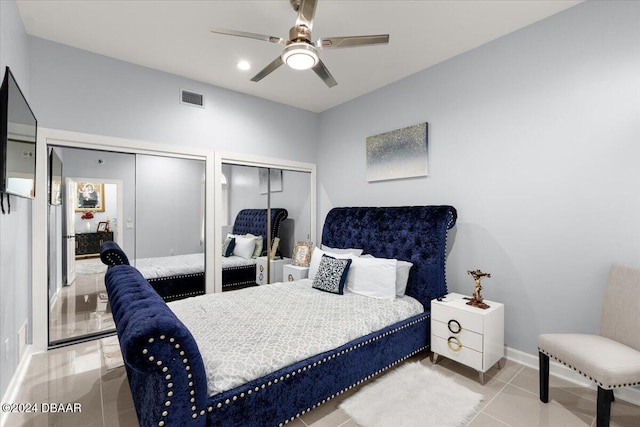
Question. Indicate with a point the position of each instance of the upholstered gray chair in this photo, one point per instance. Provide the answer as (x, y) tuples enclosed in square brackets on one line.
[(611, 358)]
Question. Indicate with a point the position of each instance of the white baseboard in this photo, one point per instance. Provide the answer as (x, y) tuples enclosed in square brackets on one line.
[(11, 395), (628, 394)]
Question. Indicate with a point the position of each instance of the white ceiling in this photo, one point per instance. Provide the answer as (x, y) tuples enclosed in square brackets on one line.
[(173, 36)]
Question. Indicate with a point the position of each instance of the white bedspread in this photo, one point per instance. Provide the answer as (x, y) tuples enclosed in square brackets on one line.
[(243, 335), (167, 266), (236, 261), (153, 268)]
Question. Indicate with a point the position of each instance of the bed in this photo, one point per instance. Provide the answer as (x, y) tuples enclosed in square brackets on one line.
[(173, 277), (238, 273), (182, 276), (168, 366)]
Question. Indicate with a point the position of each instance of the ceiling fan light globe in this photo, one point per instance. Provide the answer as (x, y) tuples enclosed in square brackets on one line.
[(300, 56)]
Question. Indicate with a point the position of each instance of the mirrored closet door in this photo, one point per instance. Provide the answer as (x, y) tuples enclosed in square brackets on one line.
[(271, 205), (151, 206)]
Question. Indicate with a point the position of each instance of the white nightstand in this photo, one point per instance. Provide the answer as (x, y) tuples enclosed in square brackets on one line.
[(292, 272), (467, 334), (276, 269)]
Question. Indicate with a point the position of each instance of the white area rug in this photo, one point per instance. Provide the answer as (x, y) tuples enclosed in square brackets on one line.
[(111, 352), (90, 267), (413, 395)]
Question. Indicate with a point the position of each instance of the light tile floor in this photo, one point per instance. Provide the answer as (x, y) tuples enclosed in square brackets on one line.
[(77, 374), (78, 309)]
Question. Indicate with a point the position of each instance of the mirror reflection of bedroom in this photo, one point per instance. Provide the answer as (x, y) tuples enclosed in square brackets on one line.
[(265, 212), (151, 206)]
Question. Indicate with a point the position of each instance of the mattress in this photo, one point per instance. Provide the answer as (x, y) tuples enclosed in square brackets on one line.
[(159, 267), (235, 261), (247, 334)]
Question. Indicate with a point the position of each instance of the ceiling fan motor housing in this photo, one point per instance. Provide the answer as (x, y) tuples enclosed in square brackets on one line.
[(299, 33), (295, 4)]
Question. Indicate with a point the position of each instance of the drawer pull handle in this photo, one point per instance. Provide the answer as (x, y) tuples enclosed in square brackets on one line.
[(454, 326), (454, 344)]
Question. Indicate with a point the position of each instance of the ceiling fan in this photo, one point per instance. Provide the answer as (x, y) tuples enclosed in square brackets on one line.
[(300, 52)]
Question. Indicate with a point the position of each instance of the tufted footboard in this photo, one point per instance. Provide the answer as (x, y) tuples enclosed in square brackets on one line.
[(163, 363)]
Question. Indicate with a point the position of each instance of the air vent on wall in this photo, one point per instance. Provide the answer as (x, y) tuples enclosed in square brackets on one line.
[(191, 98)]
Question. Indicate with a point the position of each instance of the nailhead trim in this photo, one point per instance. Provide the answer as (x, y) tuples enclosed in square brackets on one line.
[(174, 297), (324, 360), (202, 412), (115, 259), (169, 385), (606, 387)]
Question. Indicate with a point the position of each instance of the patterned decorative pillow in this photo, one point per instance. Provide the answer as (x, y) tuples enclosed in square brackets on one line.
[(332, 274), (228, 246)]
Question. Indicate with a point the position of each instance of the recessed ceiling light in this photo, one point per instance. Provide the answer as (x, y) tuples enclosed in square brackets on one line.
[(244, 65)]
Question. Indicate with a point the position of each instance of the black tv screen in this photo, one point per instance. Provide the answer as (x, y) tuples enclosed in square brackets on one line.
[(18, 128)]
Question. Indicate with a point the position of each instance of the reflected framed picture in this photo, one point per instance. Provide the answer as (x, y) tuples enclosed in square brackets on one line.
[(302, 253), (89, 197), (274, 248), (103, 227), (274, 176)]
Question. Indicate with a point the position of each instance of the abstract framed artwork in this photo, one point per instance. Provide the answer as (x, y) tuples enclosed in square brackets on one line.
[(276, 179), (400, 153)]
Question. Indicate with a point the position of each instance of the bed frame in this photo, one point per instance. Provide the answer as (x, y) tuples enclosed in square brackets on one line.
[(165, 369), (170, 288), (253, 221)]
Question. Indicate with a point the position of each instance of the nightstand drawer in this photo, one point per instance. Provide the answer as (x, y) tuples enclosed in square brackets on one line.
[(464, 355), (468, 338), (292, 272), (468, 320)]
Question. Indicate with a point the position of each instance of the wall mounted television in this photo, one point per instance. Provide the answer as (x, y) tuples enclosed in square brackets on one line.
[(18, 130)]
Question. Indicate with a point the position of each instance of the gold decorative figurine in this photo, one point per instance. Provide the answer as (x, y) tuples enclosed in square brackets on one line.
[(477, 301)]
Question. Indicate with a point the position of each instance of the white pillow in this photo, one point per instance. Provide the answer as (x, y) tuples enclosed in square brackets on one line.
[(356, 252), (402, 275), (316, 257), (244, 246), (373, 277)]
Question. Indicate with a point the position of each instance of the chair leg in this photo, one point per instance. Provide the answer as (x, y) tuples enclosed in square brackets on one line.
[(603, 414), (544, 376)]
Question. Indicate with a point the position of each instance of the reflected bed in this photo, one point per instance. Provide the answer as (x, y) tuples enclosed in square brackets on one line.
[(237, 274)]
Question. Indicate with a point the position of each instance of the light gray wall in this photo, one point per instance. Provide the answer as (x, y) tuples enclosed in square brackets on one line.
[(169, 206), (164, 215), (244, 193), (15, 229), (534, 139), (80, 91), (82, 163)]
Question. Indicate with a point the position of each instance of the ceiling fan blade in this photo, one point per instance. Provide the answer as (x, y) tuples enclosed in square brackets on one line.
[(306, 12), (268, 69), (266, 38), (322, 72), (352, 41)]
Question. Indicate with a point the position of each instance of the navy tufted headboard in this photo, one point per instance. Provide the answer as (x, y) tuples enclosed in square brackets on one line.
[(417, 234), (254, 221)]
